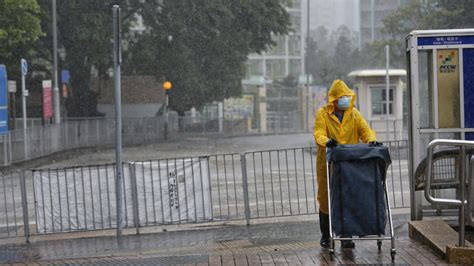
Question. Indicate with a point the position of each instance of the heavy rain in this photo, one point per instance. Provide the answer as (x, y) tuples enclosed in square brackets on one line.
[(204, 131)]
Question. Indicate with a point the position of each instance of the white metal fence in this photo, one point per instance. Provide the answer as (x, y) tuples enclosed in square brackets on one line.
[(38, 141), (252, 185)]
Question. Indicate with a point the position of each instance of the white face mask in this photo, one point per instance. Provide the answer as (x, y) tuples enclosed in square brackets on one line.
[(344, 102)]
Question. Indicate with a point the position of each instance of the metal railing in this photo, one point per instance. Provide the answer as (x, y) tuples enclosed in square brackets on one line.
[(462, 145), (224, 187), (34, 142)]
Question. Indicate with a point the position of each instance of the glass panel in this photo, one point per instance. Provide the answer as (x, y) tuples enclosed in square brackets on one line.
[(295, 67), (280, 47), (468, 77), (425, 72), (295, 18), (449, 114), (294, 45), (255, 67), (275, 69), (379, 100)]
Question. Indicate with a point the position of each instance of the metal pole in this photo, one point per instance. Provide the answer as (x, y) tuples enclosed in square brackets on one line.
[(165, 134), (118, 117), (243, 163), (57, 117), (133, 183), (23, 102), (387, 90), (462, 195), (24, 204), (306, 67)]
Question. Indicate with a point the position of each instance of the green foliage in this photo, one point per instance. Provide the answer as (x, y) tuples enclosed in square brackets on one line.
[(424, 15), (19, 28), (85, 33), (331, 58), (201, 45)]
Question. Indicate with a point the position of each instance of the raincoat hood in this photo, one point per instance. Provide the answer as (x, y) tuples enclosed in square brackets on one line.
[(337, 90)]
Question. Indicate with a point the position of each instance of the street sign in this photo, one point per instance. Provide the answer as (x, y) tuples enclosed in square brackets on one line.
[(24, 67), (12, 86), (47, 99), (65, 76), (3, 100)]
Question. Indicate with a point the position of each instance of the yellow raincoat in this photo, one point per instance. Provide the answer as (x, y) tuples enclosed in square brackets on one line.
[(327, 126)]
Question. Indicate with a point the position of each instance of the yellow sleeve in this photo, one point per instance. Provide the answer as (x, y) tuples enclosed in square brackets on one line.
[(365, 132), (320, 128)]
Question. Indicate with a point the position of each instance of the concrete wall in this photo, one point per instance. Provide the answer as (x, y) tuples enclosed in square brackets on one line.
[(131, 110)]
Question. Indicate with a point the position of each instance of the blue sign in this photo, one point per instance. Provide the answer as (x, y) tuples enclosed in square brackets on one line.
[(65, 76), (446, 40), (24, 67), (3, 100)]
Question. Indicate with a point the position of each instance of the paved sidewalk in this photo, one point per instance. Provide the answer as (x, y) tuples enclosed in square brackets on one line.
[(269, 243)]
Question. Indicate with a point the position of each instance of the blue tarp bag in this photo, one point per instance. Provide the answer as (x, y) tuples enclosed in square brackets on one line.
[(357, 189)]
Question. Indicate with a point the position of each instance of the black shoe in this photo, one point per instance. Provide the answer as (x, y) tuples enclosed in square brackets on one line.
[(347, 244), (324, 242)]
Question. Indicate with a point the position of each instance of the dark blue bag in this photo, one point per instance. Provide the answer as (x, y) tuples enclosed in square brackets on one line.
[(357, 189)]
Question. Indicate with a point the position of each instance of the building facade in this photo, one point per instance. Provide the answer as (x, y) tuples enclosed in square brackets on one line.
[(372, 13), (284, 59)]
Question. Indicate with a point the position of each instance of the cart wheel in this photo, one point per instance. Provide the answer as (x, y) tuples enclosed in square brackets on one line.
[(331, 254), (379, 244), (392, 254)]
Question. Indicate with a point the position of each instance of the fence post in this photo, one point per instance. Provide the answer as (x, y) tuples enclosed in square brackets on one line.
[(24, 205), (133, 183), (5, 146), (243, 163), (10, 148)]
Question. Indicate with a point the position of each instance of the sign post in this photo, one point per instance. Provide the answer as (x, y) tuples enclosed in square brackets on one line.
[(118, 117), (47, 100), (166, 86), (387, 91), (3, 100), (24, 93), (12, 103)]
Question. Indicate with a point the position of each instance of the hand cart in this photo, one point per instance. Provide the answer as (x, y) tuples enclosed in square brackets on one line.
[(358, 199)]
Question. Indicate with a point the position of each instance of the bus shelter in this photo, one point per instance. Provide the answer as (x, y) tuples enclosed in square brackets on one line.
[(440, 66)]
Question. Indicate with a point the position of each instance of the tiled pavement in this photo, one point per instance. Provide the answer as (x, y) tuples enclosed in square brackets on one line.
[(290, 243)]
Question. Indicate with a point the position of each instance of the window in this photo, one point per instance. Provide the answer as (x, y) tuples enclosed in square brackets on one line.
[(294, 45), (379, 100), (275, 69), (280, 47)]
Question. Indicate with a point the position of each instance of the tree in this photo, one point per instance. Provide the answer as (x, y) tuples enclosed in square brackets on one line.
[(201, 46), (424, 15), (19, 29), (85, 33), (332, 59)]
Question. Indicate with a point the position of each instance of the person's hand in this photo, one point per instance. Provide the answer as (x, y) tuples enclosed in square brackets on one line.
[(375, 144), (331, 143)]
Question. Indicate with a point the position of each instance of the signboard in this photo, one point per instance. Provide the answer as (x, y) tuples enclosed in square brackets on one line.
[(12, 86), (24, 67), (47, 99), (65, 76), (239, 108), (445, 40), (448, 88), (3, 100)]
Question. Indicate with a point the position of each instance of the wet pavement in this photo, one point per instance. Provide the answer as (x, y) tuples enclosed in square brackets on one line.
[(284, 242)]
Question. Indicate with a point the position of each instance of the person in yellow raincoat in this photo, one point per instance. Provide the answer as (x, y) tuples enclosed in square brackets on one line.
[(338, 122)]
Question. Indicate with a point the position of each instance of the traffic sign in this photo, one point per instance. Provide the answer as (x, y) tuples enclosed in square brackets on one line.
[(12, 86), (24, 67), (3, 100)]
